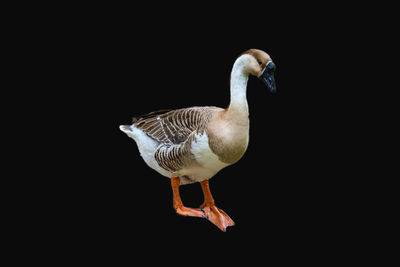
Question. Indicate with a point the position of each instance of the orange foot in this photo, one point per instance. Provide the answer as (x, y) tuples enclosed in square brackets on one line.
[(184, 211), (217, 216)]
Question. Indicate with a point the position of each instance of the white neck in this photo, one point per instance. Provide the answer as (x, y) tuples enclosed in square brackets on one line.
[(238, 106)]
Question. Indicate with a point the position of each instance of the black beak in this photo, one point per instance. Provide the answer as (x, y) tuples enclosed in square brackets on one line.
[(267, 76)]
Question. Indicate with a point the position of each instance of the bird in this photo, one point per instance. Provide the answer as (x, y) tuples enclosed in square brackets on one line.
[(190, 145)]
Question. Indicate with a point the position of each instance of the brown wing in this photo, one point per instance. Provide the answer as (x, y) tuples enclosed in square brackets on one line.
[(174, 126), (176, 156)]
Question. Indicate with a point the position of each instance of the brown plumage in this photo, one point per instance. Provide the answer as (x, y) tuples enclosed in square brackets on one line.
[(175, 131)]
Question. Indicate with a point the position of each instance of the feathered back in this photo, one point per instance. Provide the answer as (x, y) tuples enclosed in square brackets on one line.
[(174, 126)]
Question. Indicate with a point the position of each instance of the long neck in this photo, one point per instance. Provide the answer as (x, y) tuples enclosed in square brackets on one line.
[(238, 108)]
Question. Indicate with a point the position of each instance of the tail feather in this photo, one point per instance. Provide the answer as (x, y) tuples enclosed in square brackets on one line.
[(125, 128)]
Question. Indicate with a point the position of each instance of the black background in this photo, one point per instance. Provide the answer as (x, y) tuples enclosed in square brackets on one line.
[(287, 189)]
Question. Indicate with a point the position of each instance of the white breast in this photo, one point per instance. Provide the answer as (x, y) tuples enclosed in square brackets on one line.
[(204, 155)]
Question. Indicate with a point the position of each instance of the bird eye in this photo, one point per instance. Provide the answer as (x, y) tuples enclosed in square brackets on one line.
[(259, 62)]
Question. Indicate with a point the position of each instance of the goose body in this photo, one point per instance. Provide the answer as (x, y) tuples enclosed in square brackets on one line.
[(193, 144), (207, 145)]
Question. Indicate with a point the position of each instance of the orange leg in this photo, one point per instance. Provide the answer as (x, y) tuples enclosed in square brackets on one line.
[(178, 206), (212, 213)]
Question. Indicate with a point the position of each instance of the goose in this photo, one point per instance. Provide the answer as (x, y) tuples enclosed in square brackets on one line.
[(193, 144)]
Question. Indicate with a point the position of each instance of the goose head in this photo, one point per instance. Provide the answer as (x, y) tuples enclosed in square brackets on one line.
[(260, 65)]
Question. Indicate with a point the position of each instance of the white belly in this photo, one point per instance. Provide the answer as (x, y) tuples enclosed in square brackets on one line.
[(206, 166), (209, 163)]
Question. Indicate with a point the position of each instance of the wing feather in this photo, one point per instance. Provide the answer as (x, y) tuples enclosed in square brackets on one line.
[(175, 130), (174, 126)]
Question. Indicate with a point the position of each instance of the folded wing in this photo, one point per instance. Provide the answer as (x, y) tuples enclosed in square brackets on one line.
[(175, 130)]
